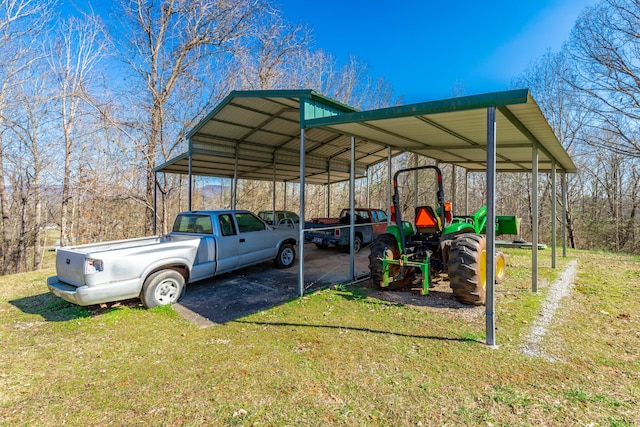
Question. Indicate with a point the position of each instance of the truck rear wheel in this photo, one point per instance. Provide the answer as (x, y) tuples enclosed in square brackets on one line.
[(161, 288), (466, 267), (357, 244), (384, 245)]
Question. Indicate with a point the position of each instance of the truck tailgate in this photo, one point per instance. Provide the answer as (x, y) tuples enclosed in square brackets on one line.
[(70, 266)]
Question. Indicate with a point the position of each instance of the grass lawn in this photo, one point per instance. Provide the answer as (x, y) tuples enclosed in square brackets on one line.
[(334, 357)]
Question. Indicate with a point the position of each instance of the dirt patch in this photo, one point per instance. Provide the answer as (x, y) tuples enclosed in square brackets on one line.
[(440, 299)]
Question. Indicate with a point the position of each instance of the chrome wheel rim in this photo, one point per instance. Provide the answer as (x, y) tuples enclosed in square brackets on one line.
[(287, 256), (167, 292)]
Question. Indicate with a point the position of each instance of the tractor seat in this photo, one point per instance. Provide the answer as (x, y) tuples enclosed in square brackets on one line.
[(427, 222)]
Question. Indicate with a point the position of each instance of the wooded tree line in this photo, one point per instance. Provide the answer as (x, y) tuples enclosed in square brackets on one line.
[(90, 104)]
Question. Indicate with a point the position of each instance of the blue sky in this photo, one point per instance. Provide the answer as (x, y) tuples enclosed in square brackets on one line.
[(426, 48)]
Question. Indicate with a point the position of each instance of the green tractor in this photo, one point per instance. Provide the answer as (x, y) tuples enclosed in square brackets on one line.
[(437, 242)]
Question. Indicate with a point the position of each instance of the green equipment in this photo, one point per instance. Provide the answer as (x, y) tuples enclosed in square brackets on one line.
[(437, 242)]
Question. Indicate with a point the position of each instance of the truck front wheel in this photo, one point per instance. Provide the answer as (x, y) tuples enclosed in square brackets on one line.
[(286, 256), (161, 288)]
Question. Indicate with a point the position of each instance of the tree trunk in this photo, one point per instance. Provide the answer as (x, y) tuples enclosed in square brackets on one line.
[(570, 231), (65, 223), (21, 258), (152, 151), (4, 207), (37, 225)]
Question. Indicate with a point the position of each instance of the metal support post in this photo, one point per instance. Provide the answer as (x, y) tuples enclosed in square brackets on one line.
[(190, 181), (534, 225), (285, 195), (415, 181), (491, 227), (234, 192), (466, 192), (553, 214), (352, 210), (273, 195), (155, 203), (563, 184), (328, 210), (389, 184), (301, 228), (454, 188)]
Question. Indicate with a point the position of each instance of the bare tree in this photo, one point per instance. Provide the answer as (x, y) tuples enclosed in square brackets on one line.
[(21, 22), (31, 127), (553, 87), (166, 45), (349, 83), (266, 58), (605, 51), (73, 57)]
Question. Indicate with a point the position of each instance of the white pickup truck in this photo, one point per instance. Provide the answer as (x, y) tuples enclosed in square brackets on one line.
[(202, 244)]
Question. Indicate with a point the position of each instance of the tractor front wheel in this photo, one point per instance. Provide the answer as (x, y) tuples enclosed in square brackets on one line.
[(384, 246), (466, 267)]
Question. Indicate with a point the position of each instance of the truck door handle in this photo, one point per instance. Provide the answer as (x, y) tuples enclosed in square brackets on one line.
[(241, 240)]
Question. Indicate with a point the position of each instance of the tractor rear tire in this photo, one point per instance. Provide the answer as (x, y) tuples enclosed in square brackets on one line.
[(384, 245), (466, 267)]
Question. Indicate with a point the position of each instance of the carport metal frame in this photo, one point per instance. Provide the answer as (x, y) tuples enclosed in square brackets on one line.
[(519, 114)]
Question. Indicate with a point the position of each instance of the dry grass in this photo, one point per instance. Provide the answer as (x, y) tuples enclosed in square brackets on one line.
[(335, 357)]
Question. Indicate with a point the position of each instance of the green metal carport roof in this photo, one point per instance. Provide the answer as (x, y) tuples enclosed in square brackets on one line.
[(255, 135), (454, 131)]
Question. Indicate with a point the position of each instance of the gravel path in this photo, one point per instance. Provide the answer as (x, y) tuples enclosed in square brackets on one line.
[(558, 290)]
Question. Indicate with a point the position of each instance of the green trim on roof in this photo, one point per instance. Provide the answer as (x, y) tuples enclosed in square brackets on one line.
[(495, 99), (313, 109)]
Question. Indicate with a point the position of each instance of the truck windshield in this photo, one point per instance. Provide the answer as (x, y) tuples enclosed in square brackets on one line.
[(193, 223)]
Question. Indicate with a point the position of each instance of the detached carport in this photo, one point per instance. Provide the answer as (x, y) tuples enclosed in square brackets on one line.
[(301, 136)]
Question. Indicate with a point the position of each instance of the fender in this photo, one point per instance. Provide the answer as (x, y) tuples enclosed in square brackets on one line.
[(458, 227), (167, 263)]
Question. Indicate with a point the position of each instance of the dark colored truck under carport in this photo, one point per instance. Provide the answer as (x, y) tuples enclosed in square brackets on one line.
[(369, 223)]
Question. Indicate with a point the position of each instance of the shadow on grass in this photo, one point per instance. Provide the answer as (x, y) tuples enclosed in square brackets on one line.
[(368, 330), (54, 309), (50, 307)]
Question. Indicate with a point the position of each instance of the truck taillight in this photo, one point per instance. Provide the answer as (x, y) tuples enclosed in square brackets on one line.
[(336, 233), (92, 266)]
